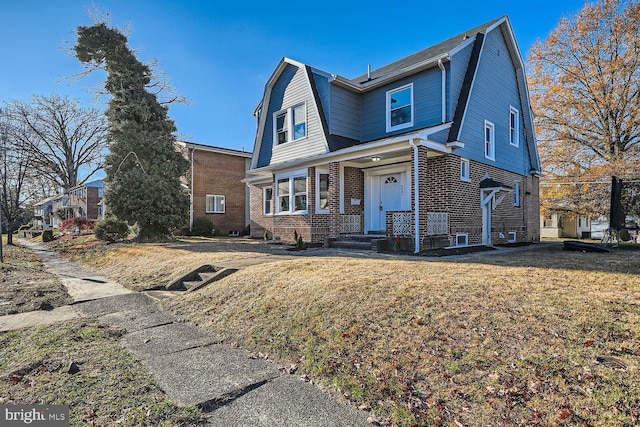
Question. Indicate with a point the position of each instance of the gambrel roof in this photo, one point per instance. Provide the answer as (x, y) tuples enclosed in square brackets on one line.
[(433, 56)]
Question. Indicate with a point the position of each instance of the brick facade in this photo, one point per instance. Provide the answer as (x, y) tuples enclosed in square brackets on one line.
[(441, 191), (218, 173), (85, 201)]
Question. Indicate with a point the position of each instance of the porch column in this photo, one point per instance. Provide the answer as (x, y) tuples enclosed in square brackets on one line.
[(334, 199), (421, 209)]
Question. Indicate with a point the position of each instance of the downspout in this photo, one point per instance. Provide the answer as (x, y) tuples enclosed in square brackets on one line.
[(191, 195), (416, 196), (444, 90)]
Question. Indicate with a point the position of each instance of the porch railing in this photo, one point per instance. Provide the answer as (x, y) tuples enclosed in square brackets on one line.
[(402, 223), (350, 223)]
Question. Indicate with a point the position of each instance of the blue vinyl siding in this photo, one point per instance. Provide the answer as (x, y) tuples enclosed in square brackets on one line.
[(345, 113), (323, 87), (455, 76), (427, 90), (495, 89), (291, 88)]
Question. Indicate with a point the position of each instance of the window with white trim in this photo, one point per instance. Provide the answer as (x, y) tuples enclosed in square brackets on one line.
[(516, 195), (322, 191), (267, 200), (290, 124), (512, 237), (514, 127), (462, 239), (400, 108), (489, 140), (465, 170), (214, 203), (291, 193)]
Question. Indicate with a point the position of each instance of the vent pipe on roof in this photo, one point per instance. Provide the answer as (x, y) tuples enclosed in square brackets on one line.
[(369, 72)]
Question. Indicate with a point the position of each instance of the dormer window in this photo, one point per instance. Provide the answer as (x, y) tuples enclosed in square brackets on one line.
[(290, 124), (400, 108)]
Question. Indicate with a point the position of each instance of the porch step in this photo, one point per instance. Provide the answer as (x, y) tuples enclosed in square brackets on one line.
[(356, 241)]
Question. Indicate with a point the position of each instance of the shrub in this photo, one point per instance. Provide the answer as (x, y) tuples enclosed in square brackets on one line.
[(47, 235), (202, 227), (78, 223), (112, 229)]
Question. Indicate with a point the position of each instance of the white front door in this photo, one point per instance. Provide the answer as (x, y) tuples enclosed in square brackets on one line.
[(390, 196), (387, 195)]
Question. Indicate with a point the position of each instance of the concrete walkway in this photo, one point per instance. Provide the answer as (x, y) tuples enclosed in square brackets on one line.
[(191, 365)]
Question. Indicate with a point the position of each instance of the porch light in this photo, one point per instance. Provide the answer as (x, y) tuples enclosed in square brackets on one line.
[(376, 158)]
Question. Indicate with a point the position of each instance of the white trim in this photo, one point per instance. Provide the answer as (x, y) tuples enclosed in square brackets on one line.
[(514, 137), (214, 198), (379, 146), (213, 149), (390, 127), (465, 177), (513, 239), (491, 155), (320, 171)]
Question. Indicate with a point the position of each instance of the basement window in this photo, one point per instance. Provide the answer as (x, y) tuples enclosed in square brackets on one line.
[(462, 239)]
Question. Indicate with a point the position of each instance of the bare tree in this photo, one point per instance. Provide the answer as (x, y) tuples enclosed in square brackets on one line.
[(584, 80), (68, 142), (15, 168)]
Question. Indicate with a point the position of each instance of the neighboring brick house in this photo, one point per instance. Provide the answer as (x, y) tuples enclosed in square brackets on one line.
[(438, 147), (216, 188)]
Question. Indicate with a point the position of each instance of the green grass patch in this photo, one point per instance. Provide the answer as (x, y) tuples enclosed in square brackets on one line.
[(110, 388)]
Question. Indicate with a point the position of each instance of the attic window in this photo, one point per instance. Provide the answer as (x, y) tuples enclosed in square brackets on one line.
[(290, 124), (400, 108)]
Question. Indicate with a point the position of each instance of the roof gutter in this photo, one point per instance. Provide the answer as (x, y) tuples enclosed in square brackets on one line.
[(444, 90)]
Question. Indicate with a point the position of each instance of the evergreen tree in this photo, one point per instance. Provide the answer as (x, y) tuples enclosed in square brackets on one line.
[(143, 167)]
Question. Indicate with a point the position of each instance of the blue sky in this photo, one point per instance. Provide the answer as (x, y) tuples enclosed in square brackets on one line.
[(219, 54)]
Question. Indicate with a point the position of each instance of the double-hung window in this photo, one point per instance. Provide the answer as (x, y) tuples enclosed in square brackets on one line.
[(465, 173), (322, 191), (489, 140), (290, 124), (267, 197), (291, 193), (514, 127), (215, 203), (400, 108)]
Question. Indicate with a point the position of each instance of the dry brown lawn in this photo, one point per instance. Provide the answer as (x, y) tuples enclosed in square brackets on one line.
[(533, 337)]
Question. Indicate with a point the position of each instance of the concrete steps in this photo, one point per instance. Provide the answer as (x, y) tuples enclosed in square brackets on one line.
[(198, 278)]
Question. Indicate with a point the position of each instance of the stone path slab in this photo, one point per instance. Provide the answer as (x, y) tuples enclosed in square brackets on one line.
[(286, 401), (166, 339), (206, 375), (14, 322)]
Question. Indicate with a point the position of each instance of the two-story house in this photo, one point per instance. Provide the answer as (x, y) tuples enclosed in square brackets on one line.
[(437, 147), (86, 200), (215, 186)]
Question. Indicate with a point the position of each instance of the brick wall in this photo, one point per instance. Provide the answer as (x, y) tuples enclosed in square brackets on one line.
[(445, 192), (220, 174)]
